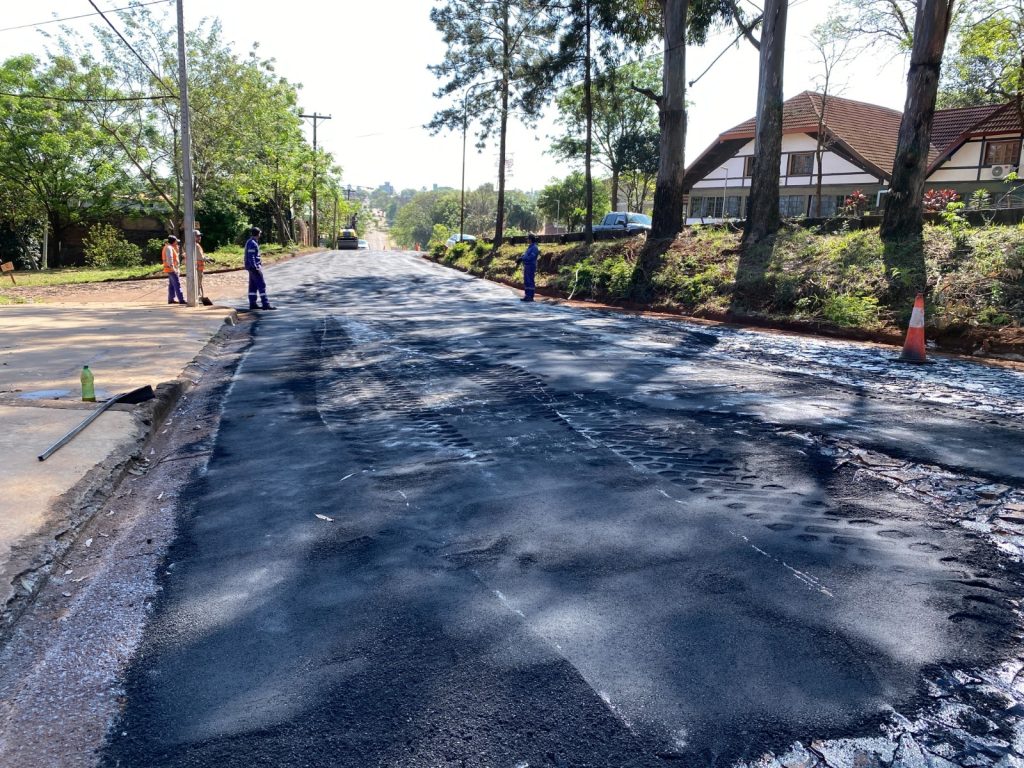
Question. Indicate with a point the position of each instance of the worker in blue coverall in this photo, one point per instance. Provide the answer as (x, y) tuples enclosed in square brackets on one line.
[(253, 265), (529, 260)]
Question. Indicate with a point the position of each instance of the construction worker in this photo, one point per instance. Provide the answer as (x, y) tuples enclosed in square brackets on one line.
[(171, 260), (529, 260), (200, 264), (254, 266)]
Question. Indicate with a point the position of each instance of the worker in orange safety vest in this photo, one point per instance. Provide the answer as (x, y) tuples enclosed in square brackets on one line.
[(171, 261)]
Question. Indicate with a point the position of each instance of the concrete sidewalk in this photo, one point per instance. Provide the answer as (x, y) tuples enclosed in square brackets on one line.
[(42, 351)]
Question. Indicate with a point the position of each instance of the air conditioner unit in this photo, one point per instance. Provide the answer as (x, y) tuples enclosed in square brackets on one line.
[(1002, 171)]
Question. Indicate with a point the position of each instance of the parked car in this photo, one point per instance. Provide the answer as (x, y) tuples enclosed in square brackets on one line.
[(624, 221), (459, 237), (363, 245), (348, 240)]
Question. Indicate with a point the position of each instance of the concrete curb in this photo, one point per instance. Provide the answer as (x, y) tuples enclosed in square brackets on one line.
[(35, 559)]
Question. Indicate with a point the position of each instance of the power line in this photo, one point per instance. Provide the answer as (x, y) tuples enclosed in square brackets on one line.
[(81, 16), (139, 57), (47, 97)]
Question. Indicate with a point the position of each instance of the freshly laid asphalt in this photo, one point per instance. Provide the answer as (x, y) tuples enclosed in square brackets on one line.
[(441, 527)]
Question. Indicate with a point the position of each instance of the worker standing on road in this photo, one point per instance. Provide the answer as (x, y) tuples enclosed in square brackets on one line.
[(254, 266), (171, 260), (529, 260), (200, 264)]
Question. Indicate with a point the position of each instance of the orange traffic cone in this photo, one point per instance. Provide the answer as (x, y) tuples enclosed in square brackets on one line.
[(913, 347)]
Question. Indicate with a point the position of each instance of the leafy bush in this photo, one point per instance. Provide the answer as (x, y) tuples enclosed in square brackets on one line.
[(980, 200), (154, 248), (104, 247), (937, 199), (850, 310), (438, 236), (577, 279)]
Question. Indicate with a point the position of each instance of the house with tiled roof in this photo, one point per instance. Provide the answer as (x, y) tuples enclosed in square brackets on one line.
[(972, 148)]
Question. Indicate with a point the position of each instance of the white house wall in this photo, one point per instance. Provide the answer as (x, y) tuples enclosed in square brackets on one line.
[(836, 169), (965, 165)]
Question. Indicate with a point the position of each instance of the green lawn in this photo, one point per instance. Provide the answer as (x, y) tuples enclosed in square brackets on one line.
[(71, 276), (230, 257)]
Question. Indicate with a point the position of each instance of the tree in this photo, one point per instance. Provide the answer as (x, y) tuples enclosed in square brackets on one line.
[(763, 205), (53, 158), (903, 217), (415, 221), (639, 158), (832, 47), (987, 66), (566, 200), (247, 140), (492, 46), (887, 23), (624, 119), (669, 195)]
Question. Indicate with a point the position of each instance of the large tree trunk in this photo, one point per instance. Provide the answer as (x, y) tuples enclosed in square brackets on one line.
[(499, 224), (763, 206), (588, 107), (615, 191), (669, 192), (904, 211)]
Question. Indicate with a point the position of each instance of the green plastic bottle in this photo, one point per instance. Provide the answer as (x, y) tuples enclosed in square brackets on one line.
[(88, 388)]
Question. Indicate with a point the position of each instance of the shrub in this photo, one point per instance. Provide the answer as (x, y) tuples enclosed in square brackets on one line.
[(615, 278), (855, 204), (850, 310), (104, 247), (578, 278), (980, 200), (937, 199)]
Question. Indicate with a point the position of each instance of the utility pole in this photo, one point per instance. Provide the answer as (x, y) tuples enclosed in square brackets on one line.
[(186, 165), (315, 118)]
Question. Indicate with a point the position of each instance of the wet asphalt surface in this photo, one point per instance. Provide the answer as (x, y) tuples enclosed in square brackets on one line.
[(557, 538)]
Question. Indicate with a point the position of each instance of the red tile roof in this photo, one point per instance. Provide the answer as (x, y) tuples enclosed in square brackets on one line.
[(867, 132), (949, 125)]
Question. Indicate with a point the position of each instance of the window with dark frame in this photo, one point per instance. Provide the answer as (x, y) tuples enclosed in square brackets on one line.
[(792, 206), (748, 166), (801, 164), (1005, 152)]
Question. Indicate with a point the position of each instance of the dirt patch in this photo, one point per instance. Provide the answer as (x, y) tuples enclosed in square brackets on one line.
[(146, 290)]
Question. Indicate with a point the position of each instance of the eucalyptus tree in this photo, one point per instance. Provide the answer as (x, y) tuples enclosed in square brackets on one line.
[(763, 217), (675, 23), (903, 217), (493, 47)]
